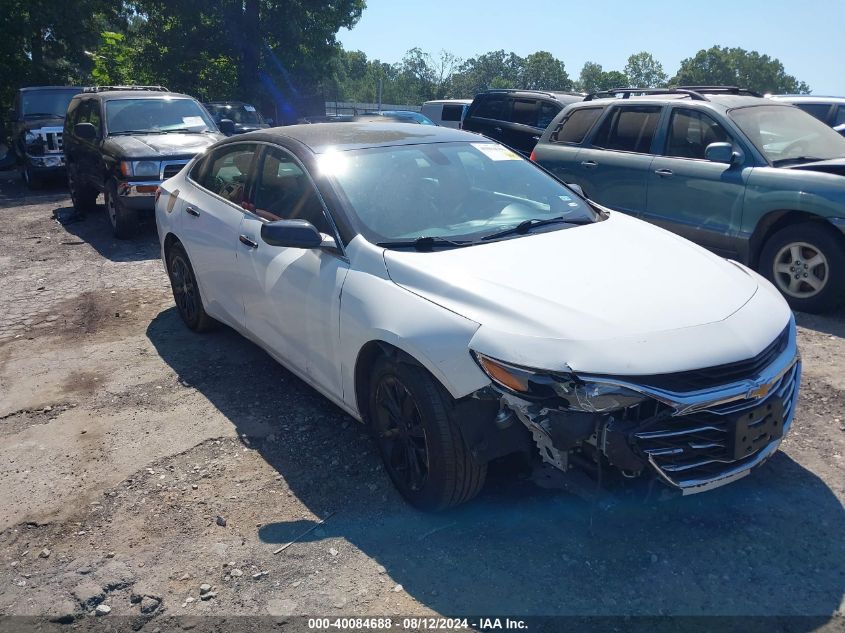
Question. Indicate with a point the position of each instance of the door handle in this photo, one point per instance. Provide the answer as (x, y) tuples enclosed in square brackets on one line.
[(589, 164), (664, 173), (192, 211), (248, 242)]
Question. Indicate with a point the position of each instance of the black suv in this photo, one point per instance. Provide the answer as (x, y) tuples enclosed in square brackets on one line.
[(125, 140), (244, 116), (36, 121), (516, 118)]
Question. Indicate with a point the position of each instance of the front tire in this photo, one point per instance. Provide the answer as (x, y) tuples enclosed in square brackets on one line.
[(806, 263), (84, 197), (411, 417), (186, 291), (33, 181), (124, 221)]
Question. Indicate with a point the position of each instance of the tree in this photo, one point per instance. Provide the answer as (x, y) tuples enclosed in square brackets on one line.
[(737, 67), (542, 71), (496, 69), (593, 78), (643, 71)]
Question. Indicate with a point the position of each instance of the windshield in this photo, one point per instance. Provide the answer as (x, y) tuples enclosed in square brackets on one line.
[(455, 191), (47, 102), (787, 134), (156, 115), (411, 117), (241, 114)]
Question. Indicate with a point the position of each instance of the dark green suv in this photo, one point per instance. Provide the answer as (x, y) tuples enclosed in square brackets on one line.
[(752, 179)]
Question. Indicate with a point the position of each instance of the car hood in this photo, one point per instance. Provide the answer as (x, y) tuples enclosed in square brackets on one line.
[(834, 166), (161, 145), (540, 297)]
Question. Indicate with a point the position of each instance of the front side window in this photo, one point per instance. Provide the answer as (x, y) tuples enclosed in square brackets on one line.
[(524, 112), (785, 135), (490, 107), (283, 191), (690, 132), (575, 126), (227, 171), (839, 119), (548, 111), (455, 191), (156, 115), (629, 129)]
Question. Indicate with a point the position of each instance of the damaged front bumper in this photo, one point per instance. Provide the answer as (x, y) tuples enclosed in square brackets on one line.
[(693, 431)]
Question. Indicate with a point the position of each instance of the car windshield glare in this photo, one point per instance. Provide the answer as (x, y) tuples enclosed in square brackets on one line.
[(456, 191), (243, 114), (787, 134), (156, 115)]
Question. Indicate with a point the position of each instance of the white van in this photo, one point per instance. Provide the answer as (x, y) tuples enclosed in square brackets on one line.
[(446, 112)]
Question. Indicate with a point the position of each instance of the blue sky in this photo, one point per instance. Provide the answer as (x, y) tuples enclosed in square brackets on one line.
[(807, 36)]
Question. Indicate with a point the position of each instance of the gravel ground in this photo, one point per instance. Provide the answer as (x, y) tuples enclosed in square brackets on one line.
[(140, 462)]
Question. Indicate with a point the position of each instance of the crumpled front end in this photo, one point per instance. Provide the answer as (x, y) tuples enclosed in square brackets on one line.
[(693, 430)]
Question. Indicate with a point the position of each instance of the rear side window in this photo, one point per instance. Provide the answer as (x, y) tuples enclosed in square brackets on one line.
[(227, 171), (818, 110), (452, 112), (490, 107), (524, 112), (629, 129), (575, 125)]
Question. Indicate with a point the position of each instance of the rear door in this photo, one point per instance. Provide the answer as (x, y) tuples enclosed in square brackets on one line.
[(485, 116), (690, 195), (211, 216), (613, 167), (560, 148)]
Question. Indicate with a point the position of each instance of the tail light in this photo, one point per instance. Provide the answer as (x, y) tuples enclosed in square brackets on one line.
[(533, 157)]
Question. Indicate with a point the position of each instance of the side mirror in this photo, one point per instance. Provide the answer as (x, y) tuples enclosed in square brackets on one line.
[(577, 189), (85, 131), (722, 153), (227, 126), (291, 233)]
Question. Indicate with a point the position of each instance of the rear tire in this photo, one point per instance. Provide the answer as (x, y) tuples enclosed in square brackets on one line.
[(84, 197), (806, 263), (186, 291), (411, 417), (124, 221)]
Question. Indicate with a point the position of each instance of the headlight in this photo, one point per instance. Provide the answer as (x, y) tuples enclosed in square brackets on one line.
[(578, 394), (140, 168), (31, 138)]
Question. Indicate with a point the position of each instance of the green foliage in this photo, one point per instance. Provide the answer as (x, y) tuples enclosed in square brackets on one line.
[(594, 78), (643, 71), (737, 67), (112, 60)]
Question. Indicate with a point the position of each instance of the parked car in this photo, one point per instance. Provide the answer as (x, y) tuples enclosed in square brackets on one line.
[(244, 116), (828, 110), (36, 121), (516, 118), (749, 178), (123, 141), (403, 116), (446, 112), (417, 277)]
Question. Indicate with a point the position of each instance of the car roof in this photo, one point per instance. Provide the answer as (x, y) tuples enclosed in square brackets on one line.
[(808, 98), (133, 94), (726, 101), (321, 137), (29, 88), (227, 103), (560, 95)]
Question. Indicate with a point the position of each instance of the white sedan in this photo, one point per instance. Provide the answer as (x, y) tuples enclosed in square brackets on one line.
[(465, 305)]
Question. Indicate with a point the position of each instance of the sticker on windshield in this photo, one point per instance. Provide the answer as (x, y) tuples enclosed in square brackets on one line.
[(193, 121), (249, 108), (495, 152), (565, 198)]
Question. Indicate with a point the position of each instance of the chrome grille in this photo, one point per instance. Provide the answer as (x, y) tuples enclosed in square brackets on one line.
[(702, 446)]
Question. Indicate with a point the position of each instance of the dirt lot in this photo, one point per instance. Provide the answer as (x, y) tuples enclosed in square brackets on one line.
[(139, 461)]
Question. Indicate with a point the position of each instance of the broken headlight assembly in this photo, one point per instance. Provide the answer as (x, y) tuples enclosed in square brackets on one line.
[(574, 392)]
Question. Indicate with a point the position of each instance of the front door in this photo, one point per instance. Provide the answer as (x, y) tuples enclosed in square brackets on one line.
[(690, 195), (212, 215), (292, 295)]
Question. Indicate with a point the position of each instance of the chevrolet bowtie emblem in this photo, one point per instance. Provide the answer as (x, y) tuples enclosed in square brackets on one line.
[(761, 391)]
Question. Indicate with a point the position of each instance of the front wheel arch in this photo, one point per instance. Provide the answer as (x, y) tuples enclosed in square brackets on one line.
[(773, 222)]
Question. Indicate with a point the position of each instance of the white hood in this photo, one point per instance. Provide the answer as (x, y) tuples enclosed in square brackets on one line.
[(605, 297)]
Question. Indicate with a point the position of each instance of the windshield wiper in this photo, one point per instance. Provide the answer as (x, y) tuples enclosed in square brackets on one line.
[(59, 116), (526, 225), (184, 130), (425, 243), (125, 132), (796, 159)]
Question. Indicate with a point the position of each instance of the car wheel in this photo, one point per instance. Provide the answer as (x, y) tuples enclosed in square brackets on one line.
[(84, 197), (32, 180), (186, 292), (124, 221), (806, 262), (420, 443)]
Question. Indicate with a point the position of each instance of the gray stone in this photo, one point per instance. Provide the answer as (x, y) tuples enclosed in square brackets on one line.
[(221, 521), (205, 588), (44, 553), (89, 594), (149, 604), (102, 609)]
